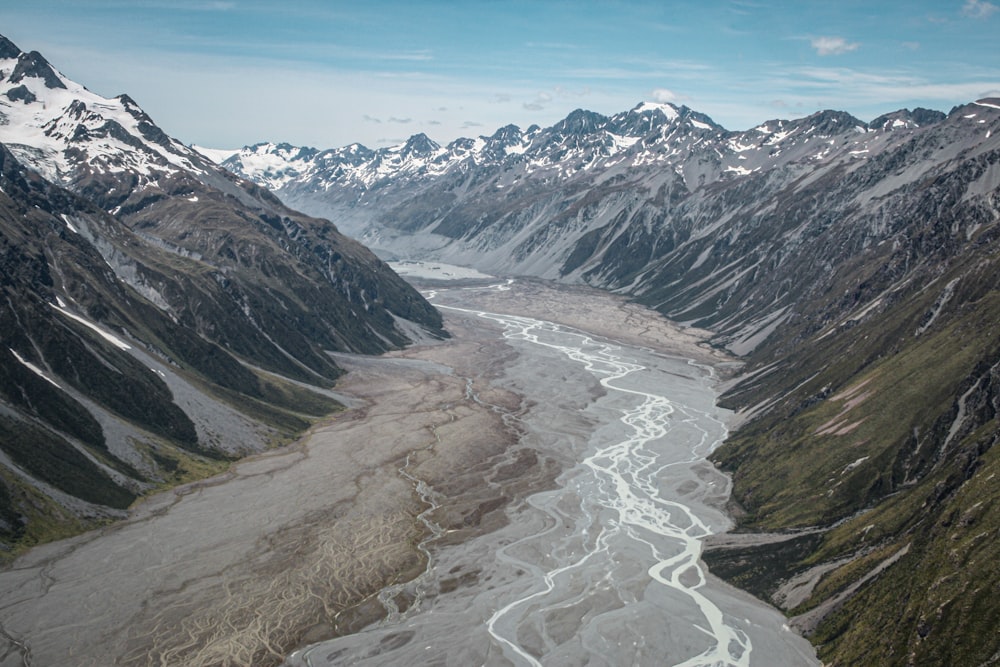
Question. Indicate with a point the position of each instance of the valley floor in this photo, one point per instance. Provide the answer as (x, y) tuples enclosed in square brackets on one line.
[(433, 464)]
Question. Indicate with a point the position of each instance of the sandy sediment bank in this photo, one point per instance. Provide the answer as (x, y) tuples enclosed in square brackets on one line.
[(294, 546), (288, 546)]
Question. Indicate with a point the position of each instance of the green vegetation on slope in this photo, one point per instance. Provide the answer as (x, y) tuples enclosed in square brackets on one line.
[(882, 437)]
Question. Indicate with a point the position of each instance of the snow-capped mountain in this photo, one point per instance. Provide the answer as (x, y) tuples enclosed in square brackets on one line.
[(155, 306), (64, 131), (110, 151), (153, 303), (629, 202), (853, 265), (660, 136)]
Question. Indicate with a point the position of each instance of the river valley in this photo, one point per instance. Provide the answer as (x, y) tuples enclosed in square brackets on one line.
[(531, 492)]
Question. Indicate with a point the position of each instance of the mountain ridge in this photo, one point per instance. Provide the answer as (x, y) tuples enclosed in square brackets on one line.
[(161, 317), (852, 266)]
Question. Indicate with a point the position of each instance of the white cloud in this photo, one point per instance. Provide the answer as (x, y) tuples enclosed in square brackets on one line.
[(833, 46), (978, 9), (663, 95), (540, 102)]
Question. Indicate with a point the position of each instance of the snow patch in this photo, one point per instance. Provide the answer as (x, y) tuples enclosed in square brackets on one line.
[(216, 155), (669, 111), (110, 337), (851, 466), (34, 369)]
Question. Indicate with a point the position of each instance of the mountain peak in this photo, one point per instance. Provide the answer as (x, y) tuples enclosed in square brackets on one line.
[(419, 144), (831, 122), (33, 65), (904, 118), (507, 133), (580, 121), (8, 49), (667, 109)]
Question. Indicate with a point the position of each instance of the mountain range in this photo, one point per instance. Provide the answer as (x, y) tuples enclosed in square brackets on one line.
[(851, 266), (163, 315), (160, 316)]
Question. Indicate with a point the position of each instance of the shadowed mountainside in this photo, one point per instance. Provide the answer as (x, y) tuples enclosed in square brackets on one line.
[(854, 268), (160, 316)]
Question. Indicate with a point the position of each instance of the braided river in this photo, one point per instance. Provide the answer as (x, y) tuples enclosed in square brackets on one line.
[(532, 491), (604, 569)]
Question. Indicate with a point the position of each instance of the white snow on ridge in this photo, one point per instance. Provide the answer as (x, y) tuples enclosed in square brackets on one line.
[(110, 337), (270, 167), (55, 121), (668, 110), (34, 369), (623, 142), (217, 155)]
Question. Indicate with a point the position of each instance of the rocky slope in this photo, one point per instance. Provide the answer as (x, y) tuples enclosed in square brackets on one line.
[(160, 315), (852, 265)]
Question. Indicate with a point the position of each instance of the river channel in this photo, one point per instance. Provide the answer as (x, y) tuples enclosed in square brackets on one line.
[(604, 568), (533, 491)]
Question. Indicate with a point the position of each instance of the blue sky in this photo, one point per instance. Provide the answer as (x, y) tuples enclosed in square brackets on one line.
[(226, 73)]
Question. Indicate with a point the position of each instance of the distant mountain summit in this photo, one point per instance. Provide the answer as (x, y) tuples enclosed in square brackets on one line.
[(160, 315)]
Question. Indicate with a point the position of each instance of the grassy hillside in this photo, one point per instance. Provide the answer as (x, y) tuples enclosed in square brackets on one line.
[(875, 437)]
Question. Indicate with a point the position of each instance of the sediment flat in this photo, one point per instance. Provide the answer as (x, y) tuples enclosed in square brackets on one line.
[(388, 512)]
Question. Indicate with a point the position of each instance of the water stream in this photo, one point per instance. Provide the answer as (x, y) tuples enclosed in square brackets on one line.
[(603, 569)]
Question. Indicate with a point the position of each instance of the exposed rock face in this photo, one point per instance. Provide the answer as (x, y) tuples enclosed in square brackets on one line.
[(854, 267), (155, 307)]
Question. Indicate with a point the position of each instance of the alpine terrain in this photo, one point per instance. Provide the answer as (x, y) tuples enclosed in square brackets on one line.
[(851, 265), (160, 316)]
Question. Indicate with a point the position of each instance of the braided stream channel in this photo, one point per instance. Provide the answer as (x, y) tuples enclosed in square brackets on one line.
[(604, 568)]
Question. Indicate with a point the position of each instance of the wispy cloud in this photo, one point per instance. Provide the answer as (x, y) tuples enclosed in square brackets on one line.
[(406, 56), (665, 95), (557, 46), (191, 6), (539, 103), (854, 88), (978, 9), (833, 46)]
